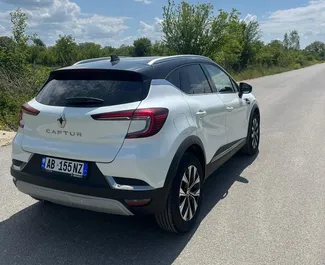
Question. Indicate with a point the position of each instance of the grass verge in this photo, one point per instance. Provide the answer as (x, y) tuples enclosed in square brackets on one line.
[(252, 73)]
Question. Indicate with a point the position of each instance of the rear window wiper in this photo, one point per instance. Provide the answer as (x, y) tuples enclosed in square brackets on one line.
[(84, 101)]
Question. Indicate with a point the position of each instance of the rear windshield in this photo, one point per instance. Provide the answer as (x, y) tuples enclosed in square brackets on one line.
[(111, 87)]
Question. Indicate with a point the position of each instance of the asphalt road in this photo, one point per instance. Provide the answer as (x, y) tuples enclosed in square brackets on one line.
[(264, 210)]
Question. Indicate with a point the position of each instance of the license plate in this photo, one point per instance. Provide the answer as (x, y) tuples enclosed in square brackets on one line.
[(76, 169)]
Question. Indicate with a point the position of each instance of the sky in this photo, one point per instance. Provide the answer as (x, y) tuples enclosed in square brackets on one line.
[(116, 22)]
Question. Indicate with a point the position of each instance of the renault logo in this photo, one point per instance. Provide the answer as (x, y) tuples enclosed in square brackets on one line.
[(62, 121)]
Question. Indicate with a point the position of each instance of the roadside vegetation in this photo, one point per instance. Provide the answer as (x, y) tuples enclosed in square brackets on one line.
[(25, 60)]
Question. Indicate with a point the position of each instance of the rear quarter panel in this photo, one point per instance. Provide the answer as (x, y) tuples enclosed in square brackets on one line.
[(149, 158)]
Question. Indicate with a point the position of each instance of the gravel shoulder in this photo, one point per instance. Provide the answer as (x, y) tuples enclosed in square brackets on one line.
[(6, 137)]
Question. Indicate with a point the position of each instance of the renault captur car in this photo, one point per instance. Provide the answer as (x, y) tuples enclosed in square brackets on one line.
[(133, 136)]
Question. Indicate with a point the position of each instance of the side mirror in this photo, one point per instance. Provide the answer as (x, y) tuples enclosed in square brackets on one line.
[(244, 88)]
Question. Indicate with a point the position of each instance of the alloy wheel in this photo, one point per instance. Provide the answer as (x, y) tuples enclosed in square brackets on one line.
[(189, 193), (255, 133)]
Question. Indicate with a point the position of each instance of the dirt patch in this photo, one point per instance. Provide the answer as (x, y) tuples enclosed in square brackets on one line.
[(6, 137)]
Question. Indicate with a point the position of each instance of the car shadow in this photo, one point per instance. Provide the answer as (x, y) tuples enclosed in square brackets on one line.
[(53, 234)]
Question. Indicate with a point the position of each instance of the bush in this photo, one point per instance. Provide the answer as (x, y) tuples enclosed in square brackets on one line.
[(297, 66), (17, 88)]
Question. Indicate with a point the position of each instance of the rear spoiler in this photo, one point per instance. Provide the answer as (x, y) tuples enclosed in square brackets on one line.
[(96, 74)]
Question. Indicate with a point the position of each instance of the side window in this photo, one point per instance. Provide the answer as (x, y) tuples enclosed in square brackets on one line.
[(174, 78), (220, 79), (193, 80)]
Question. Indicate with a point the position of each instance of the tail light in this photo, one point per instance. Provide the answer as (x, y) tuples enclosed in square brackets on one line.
[(144, 122), (26, 109)]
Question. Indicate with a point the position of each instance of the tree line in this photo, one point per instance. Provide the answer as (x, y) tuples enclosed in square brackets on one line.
[(236, 44)]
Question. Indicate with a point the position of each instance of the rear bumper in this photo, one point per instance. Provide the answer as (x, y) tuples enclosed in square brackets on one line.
[(74, 200), (148, 164), (93, 193)]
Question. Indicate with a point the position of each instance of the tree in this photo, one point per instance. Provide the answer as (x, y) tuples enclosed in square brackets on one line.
[(187, 28), (142, 47), (160, 49), (251, 43), (6, 43), (38, 42), (316, 49), (271, 54), (124, 50), (14, 51), (294, 40), (48, 57), (107, 51), (66, 50), (227, 44), (89, 50), (251, 30), (20, 48), (286, 42), (19, 25)]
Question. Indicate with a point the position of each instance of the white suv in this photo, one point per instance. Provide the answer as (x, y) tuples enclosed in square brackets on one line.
[(133, 135)]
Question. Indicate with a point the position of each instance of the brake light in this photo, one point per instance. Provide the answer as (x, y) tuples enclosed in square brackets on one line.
[(147, 122), (121, 115), (27, 109), (144, 122)]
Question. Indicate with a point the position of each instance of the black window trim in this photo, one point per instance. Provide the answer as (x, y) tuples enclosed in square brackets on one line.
[(203, 70), (179, 78), (233, 82)]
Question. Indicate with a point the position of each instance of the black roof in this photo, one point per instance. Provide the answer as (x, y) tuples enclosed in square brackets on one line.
[(152, 67)]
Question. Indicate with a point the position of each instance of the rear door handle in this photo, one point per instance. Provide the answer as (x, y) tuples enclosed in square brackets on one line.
[(230, 108), (201, 113)]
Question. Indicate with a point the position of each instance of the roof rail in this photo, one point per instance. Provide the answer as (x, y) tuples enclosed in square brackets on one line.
[(111, 58), (173, 57), (93, 60)]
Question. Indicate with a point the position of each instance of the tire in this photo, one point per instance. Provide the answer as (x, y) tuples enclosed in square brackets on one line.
[(253, 137), (172, 219)]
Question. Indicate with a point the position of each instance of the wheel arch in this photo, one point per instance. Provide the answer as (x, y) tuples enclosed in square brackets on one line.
[(255, 110), (191, 144)]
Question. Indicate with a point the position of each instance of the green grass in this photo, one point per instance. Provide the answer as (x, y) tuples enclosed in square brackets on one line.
[(16, 89), (3, 126), (263, 71)]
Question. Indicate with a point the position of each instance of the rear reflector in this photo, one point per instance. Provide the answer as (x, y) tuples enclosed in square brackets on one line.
[(141, 202), (26, 109), (144, 122)]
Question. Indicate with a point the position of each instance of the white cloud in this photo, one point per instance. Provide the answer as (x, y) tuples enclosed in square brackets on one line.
[(309, 20), (51, 18), (144, 1), (250, 18), (2, 29), (152, 31)]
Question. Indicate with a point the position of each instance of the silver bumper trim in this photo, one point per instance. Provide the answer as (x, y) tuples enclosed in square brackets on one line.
[(116, 186), (73, 199)]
